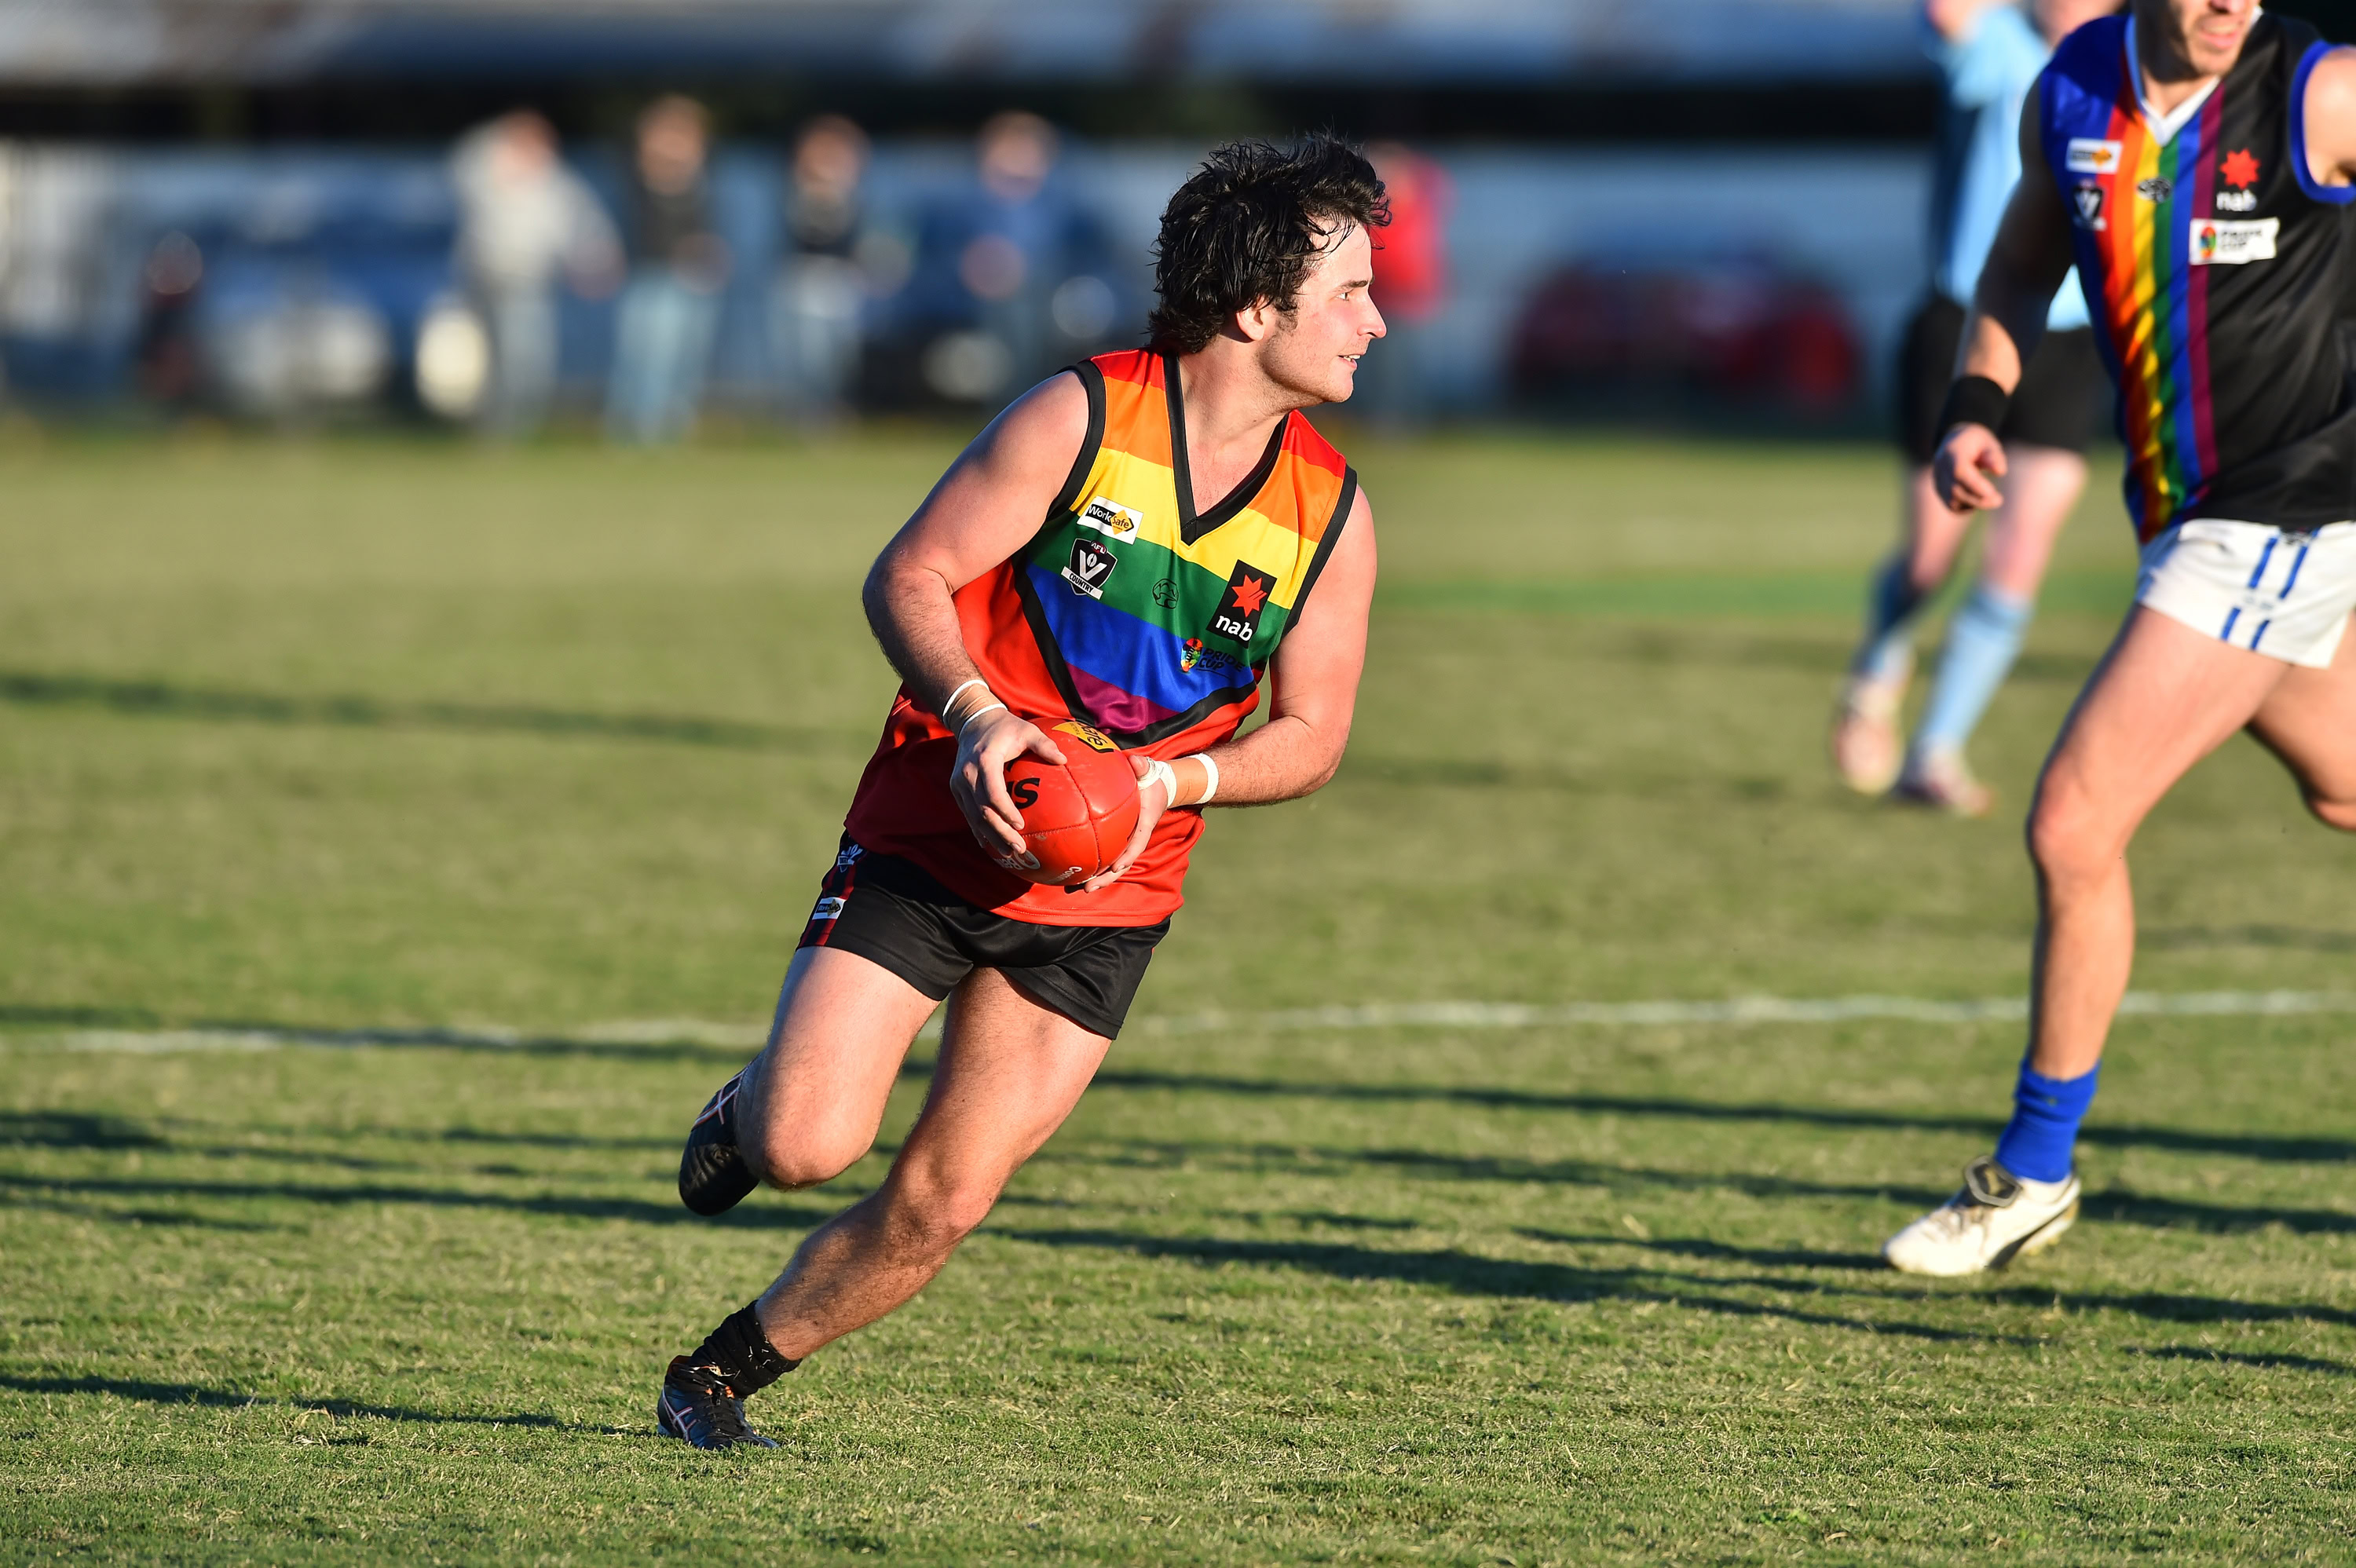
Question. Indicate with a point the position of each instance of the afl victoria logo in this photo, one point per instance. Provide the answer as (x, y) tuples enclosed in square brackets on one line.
[(1090, 569)]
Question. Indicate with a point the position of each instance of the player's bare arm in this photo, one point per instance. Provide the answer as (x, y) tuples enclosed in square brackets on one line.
[(2027, 264), (1300, 747), (2330, 118), (985, 508)]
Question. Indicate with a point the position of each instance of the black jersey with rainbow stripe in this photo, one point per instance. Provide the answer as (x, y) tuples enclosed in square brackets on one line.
[(2214, 268)]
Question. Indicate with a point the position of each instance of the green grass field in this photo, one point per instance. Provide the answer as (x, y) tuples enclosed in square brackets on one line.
[(395, 839)]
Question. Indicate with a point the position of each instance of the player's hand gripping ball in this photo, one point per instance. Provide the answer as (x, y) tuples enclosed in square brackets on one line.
[(1077, 818)]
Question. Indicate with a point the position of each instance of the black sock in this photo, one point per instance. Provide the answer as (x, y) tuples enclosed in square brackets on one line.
[(741, 1354)]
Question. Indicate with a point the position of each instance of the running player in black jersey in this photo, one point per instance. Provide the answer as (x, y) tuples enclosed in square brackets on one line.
[(2194, 160)]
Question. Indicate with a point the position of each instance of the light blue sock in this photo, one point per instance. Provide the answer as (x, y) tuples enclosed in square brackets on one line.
[(1983, 639), (1890, 606), (2044, 1133)]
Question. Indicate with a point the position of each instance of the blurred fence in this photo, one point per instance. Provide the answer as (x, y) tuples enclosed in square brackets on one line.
[(1570, 270)]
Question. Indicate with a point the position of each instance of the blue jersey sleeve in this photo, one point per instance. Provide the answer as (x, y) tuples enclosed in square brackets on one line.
[(1991, 62)]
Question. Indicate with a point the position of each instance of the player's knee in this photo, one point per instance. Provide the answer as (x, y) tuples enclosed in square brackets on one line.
[(2332, 811), (2069, 836), (801, 1157)]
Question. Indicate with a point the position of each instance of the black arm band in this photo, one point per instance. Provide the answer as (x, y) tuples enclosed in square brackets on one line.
[(1973, 400)]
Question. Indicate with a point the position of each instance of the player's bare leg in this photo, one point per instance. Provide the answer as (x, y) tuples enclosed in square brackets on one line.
[(1867, 745), (1010, 1071), (2309, 721), (808, 1106), (802, 1112), (2041, 487), (2040, 492), (2165, 697), (816, 1095)]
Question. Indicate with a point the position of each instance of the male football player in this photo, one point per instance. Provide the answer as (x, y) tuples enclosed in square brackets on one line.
[(1991, 54), (1123, 557), (2194, 158)]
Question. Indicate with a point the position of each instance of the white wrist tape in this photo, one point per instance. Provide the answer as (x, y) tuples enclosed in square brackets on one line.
[(1161, 772), (961, 691), (985, 707), (1211, 770)]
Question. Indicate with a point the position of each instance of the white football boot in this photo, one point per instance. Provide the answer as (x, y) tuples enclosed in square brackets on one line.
[(1998, 1217), (1868, 751)]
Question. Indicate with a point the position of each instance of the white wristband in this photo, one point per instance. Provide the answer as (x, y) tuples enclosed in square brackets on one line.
[(961, 691), (1211, 769), (985, 707), (1161, 772)]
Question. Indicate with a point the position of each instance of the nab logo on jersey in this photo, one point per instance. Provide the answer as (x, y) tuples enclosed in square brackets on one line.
[(2239, 169), (1090, 569), (1237, 617)]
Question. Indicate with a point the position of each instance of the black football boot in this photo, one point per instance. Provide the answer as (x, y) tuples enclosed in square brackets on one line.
[(698, 1406), (712, 1175)]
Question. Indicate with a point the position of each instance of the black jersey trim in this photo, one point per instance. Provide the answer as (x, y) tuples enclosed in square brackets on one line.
[(2329, 195), (1035, 614), (1091, 377), (1333, 527), (1191, 526)]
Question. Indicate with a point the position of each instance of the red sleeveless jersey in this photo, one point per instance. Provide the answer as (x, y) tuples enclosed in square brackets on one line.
[(1127, 611)]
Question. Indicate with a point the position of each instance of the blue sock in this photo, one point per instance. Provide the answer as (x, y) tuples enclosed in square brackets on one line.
[(1890, 610), (2044, 1127), (1983, 639)]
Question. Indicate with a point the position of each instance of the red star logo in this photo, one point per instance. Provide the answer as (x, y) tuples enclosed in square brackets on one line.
[(1251, 594), (2239, 169)]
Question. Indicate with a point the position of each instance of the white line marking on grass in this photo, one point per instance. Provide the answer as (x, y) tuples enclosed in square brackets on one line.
[(1738, 1011)]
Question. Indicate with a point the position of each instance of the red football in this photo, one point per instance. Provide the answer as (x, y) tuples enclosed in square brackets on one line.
[(1077, 818)]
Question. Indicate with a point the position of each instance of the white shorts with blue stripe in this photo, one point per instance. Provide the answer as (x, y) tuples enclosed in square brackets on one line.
[(2251, 584)]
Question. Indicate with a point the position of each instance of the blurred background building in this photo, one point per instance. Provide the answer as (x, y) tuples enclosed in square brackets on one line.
[(484, 211)]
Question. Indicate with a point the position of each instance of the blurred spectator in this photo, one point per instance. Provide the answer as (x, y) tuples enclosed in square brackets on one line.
[(166, 355), (1013, 277), (814, 308), (678, 264), (523, 217), (1411, 285)]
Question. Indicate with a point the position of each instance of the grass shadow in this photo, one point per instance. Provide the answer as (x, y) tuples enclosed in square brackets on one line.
[(2239, 1358), (2302, 1148), (1470, 1274), (2287, 938), (2154, 1305), (167, 699), (72, 1129), (1756, 1257), (763, 1216), (342, 1409), (134, 1020)]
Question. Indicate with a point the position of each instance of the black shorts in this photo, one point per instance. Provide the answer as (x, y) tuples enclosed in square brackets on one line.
[(2062, 400), (890, 911)]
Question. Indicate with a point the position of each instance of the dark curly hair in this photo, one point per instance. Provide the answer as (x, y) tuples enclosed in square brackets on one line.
[(1246, 226)]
